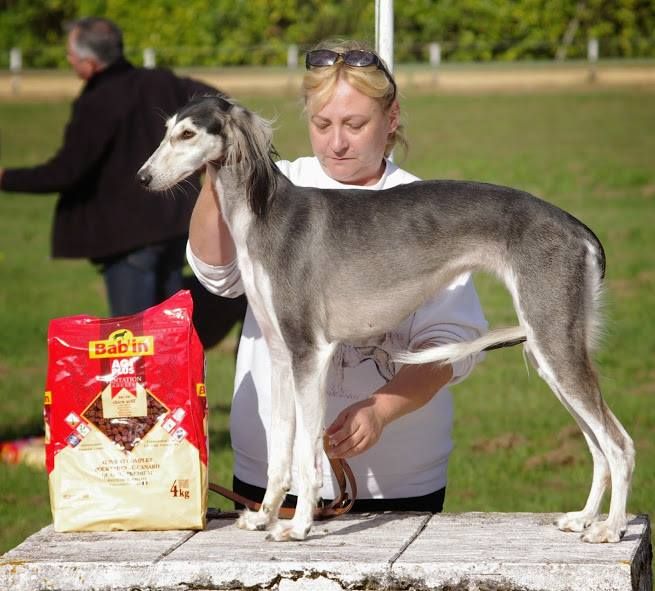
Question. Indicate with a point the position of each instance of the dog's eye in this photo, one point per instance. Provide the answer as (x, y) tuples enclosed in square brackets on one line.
[(187, 134)]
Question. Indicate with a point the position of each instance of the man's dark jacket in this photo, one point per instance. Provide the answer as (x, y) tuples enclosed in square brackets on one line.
[(116, 123)]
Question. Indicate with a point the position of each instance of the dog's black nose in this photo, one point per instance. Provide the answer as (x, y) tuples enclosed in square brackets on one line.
[(145, 178)]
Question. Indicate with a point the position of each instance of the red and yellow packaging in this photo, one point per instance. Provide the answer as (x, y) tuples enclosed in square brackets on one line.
[(126, 421)]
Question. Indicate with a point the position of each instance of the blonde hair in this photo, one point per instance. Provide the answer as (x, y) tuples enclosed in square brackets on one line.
[(318, 86)]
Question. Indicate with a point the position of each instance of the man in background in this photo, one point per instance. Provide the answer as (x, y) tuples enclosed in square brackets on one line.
[(136, 238)]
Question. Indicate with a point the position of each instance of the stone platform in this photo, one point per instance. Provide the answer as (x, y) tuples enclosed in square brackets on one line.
[(467, 552)]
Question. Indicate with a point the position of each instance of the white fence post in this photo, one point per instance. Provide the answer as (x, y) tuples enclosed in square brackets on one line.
[(435, 59), (592, 57), (149, 58), (292, 57), (435, 55), (15, 66), (292, 66), (15, 60)]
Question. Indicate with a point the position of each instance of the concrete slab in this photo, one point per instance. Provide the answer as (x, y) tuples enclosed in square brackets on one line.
[(351, 552), (523, 551), (467, 552), (85, 560)]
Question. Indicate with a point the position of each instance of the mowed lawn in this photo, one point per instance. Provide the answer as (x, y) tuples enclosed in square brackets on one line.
[(516, 449)]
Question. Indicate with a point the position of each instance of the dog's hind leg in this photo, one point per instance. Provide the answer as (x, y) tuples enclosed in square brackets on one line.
[(309, 372), (619, 451), (577, 521), (281, 442), (561, 329), (571, 376)]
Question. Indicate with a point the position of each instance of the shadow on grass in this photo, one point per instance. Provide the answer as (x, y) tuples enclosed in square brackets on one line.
[(213, 316), (219, 439), (30, 428)]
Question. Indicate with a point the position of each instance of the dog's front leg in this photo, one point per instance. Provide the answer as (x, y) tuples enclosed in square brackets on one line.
[(309, 377), (281, 450)]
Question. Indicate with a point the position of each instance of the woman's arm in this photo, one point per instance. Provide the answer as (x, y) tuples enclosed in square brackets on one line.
[(453, 315), (209, 236), (359, 426)]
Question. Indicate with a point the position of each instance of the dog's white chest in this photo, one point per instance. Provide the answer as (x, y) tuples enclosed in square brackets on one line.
[(257, 284)]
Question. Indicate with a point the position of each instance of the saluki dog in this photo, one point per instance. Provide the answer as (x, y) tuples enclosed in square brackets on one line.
[(320, 267)]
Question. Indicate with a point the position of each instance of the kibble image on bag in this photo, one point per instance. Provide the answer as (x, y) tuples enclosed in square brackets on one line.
[(126, 421)]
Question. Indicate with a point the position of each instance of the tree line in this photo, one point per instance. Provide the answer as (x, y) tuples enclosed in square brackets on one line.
[(259, 32)]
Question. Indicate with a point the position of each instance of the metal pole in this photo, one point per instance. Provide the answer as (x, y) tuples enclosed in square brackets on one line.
[(384, 34), (384, 31)]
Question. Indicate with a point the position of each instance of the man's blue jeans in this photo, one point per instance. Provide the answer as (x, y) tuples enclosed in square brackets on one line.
[(145, 277)]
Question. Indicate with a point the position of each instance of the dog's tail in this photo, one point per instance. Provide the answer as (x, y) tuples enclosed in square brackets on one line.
[(495, 339)]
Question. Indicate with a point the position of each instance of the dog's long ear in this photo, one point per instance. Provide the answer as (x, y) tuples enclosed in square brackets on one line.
[(224, 104), (250, 148)]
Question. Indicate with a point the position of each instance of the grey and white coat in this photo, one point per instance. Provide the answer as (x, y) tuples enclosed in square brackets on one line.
[(411, 458), (322, 267)]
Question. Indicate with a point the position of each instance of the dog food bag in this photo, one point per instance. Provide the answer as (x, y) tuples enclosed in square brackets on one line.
[(126, 421)]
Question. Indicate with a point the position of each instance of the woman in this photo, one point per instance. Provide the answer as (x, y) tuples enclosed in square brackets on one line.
[(399, 456)]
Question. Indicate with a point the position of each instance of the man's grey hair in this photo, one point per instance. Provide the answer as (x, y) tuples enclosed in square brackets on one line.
[(97, 38)]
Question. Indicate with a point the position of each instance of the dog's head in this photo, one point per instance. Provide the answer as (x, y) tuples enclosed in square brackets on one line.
[(207, 129)]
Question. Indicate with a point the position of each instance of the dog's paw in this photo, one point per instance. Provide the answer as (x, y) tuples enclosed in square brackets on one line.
[(253, 520), (603, 532), (286, 532), (575, 522)]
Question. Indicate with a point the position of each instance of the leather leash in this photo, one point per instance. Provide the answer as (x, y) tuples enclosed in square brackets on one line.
[(342, 472), (339, 506)]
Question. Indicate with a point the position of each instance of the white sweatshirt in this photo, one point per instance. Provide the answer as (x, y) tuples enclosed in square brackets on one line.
[(411, 457)]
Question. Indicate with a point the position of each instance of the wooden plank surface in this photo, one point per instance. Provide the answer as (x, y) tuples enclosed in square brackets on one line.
[(470, 551)]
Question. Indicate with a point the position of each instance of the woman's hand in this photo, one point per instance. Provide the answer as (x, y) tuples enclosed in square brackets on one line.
[(357, 428)]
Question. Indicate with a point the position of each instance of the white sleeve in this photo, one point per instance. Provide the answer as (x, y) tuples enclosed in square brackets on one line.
[(454, 315), (223, 281)]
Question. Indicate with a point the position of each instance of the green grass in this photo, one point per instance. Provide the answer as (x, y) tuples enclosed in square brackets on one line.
[(590, 152)]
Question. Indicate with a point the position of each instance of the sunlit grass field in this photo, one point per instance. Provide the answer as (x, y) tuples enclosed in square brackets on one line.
[(516, 449)]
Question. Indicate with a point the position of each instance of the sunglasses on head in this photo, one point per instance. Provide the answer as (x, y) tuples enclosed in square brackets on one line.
[(356, 58)]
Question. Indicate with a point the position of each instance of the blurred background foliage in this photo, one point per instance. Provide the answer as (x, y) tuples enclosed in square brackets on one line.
[(259, 32)]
